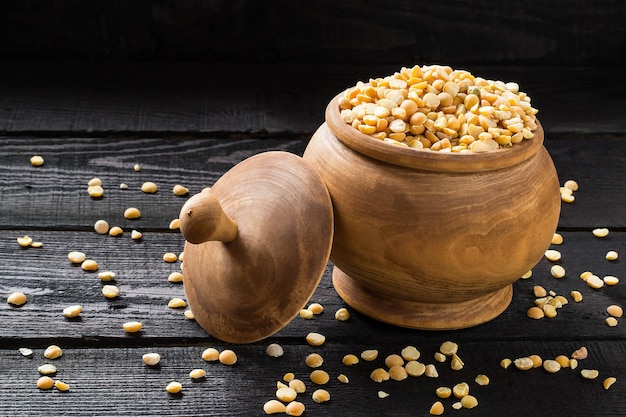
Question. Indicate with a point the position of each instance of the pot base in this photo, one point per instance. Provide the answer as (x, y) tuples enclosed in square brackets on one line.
[(416, 315)]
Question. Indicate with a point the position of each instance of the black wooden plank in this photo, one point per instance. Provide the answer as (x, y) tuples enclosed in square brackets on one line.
[(54, 195), (115, 382), (564, 33), (52, 283), (204, 99)]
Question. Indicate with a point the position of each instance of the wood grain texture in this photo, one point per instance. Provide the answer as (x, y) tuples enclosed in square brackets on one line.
[(50, 204), (562, 33), (143, 99)]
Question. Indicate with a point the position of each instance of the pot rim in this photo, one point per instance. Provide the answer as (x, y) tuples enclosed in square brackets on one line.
[(429, 160)]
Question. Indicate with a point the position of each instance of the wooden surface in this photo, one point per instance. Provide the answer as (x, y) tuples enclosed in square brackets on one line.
[(187, 92)]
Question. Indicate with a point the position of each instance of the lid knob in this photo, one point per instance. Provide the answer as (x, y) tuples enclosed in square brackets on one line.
[(202, 219)]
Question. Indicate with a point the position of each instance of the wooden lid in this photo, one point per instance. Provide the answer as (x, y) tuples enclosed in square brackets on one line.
[(258, 243)]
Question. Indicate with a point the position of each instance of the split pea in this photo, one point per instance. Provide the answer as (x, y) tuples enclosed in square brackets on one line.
[(189, 315), (95, 191), (36, 160), (557, 239), (286, 394), (106, 276), (306, 314), (431, 371), (149, 187), (343, 379), (448, 348), (175, 277), (319, 377), (116, 231), (197, 373), (24, 241), (170, 257), (608, 382), (227, 357), (443, 392), (535, 313), (315, 339), (539, 291), (610, 280), (460, 390), (151, 358), (379, 375), (415, 368), (294, 408), (469, 401), (440, 357), (615, 310), (45, 382), (274, 350), (137, 168), (557, 271), (611, 321), (505, 363), (482, 380), (314, 360), (298, 385), (26, 352), (456, 363), (589, 373), (316, 308), (393, 360), (132, 326), (350, 359), (177, 303), (61, 386), (595, 282), (174, 387), (274, 407), (89, 265), (47, 369), (611, 255), (398, 373), (321, 396), (110, 291), (580, 353), (174, 224), (72, 311), (136, 235), (383, 394), (600, 232), (552, 255), (369, 355), (523, 364), (53, 352), (436, 409), (17, 299), (132, 213), (410, 353), (210, 354), (527, 275), (537, 361), (577, 296), (180, 190), (76, 257), (551, 366), (342, 314), (101, 227)]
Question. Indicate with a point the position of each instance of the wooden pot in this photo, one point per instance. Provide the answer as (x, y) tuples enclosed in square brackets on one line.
[(433, 240)]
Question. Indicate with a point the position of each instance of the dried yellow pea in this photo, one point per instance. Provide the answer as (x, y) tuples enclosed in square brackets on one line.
[(76, 257), (379, 375), (149, 187), (557, 271), (552, 255), (151, 358), (227, 357), (576, 296), (600, 232), (36, 160), (580, 353), (47, 369), (350, 359), (316, 308), (61, 386), (136, 235), (321, 396), (315, 339), (615, 311), (306, 314), (116, 231), (180, 190), (174, 224), (482, 380), (443, 392), (410, 353), (101, 227), (608, 382), (297, 385), (274, 350), (557, 239), (95, 191), (436, 409), (174, 387), (319, 377), (589, 373), (611, 255), (45, 382), (369, 355), (197, 373), (448, 348), (210, 354), (24, 241), (342, 314), (89, 265), (286, 394), (132, 326), (170, 257), (610, 280), (415, 368), (72, 311), (294, 408), (469, 401), (314, 360), (177, 303), (132, 213), (175, 277), (274, 407), (611, 321), (17, 299), (110, 291), (53, 352)]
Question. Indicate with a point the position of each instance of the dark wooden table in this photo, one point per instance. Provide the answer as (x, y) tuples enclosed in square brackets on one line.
[(187, 91)]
